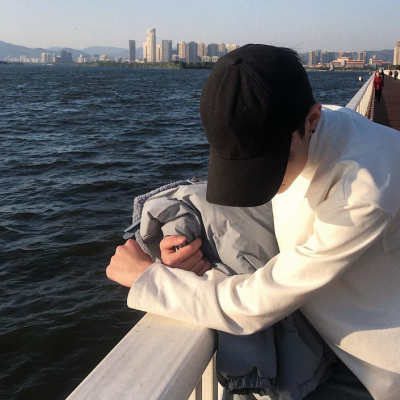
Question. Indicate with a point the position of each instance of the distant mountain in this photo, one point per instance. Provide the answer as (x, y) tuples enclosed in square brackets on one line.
[(14, 51), (385, 55)]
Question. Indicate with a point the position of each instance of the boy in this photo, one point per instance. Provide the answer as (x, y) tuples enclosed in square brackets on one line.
[(334, 180)]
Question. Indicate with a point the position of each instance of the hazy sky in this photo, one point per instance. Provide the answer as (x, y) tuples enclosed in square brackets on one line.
[(339, 25)]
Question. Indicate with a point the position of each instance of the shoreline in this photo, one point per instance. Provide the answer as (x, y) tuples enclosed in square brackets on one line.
[(170, 65)]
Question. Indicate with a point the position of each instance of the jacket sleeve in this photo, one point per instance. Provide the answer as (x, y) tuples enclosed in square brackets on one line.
[(244, 304)]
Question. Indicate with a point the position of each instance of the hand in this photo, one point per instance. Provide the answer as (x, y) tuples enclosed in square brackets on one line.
[(188, 258), (128, 263)]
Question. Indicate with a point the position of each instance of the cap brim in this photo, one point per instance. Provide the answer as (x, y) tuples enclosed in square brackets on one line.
[(245, 182)]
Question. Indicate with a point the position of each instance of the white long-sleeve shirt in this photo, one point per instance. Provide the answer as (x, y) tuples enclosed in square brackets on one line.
[(338, 230)]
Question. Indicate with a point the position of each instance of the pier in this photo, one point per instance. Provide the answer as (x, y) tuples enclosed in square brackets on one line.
[(387, 111)]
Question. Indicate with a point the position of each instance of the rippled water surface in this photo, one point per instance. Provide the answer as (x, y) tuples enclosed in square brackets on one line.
[(77, 144)]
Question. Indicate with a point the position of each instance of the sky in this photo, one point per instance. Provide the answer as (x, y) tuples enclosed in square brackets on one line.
[(304, 25)]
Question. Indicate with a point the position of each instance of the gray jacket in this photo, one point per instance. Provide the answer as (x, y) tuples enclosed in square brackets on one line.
[(285, 361)]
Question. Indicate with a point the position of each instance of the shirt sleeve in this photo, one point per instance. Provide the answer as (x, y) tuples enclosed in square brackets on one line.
[(244, 304)]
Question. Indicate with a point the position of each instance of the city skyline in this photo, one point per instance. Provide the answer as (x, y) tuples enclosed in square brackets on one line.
[(302, 25), (189, 52)]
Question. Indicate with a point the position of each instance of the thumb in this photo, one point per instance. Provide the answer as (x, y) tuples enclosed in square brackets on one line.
[(179, 239), (170, 242)]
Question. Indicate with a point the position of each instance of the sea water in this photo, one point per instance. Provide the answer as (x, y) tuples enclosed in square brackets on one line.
[(77, 144)]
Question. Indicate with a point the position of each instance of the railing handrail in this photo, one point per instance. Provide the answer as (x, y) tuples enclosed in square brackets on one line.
[(158, 359), (361, 101)]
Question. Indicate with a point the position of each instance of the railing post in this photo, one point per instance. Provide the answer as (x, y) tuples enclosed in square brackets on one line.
[(207, 387), (210, 383), (197, 393)]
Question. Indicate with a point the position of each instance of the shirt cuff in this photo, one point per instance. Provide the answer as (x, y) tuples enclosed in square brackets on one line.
[(139, 284)]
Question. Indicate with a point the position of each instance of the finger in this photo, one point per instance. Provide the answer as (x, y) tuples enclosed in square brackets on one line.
[(177, 258), (109, 272), (190, 249), (169, 243), (120, 250), (206, 268), (190, 262), (131, 244), (201, 267)]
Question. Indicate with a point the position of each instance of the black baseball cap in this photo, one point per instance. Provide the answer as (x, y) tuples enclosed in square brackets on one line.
[(253, 101)]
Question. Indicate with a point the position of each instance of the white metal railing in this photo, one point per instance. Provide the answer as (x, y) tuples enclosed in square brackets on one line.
[(159, 359), (361, 102)]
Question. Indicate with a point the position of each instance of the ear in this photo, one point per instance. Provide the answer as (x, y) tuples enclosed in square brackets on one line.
[(312, 119)]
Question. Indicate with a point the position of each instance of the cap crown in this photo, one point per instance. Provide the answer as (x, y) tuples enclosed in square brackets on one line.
[(254, 98)]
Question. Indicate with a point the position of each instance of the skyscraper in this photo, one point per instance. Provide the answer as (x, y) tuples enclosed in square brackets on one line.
[(314, 57), (145, 52), (221, 49), (166, 51), (191, 52), (45, 58), (132, 51), (182, 51), (345, 54), (327, 57), (396, 57), (66, 57), (212, 49), (158, 53), (230, 47), (201, 50), (362, 55), (151, 45)]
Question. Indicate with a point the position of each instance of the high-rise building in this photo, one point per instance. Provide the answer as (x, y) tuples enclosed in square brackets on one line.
[(45, 58), (158, 53), (151, 45), (362, 56), (345, 54), (55, 59), (132, 51), (230, 47), (166, 55), (314, 57), (201, 50), (182, 51), (66, 57), (221, 49), (145, 52), (327, 57), (191, 52), (212, 49), (396, 57)]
